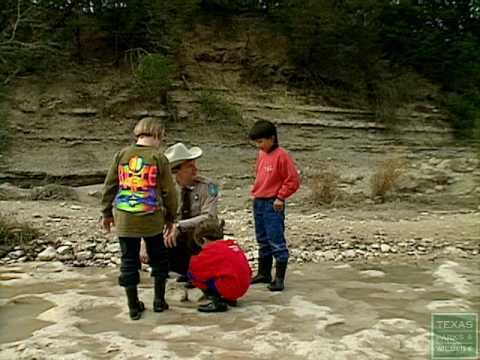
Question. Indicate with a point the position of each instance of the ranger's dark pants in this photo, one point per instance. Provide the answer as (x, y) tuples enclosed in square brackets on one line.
[(179, 256), (130, 265)]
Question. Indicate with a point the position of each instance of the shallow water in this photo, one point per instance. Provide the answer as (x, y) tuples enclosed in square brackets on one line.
[(327, 312)]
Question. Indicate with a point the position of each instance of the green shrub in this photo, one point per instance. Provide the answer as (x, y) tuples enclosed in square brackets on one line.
[(233, 6), (391, 90), (466, 115), (154, 74), (4, 133), (170, 19), (216, 108)]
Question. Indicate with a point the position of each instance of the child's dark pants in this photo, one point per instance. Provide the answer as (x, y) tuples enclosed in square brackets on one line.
[(130, 262)]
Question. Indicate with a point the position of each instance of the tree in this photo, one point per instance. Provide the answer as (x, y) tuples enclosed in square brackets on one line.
[(25, 40), (440, 39)]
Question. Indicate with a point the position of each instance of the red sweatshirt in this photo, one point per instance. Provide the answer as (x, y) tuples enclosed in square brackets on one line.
[(277, 175), (224, 262)]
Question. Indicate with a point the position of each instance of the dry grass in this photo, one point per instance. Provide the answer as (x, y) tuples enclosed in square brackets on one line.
[(13, 232), (386, 177), (324, 184), (5, 194), (53, 192), (11, 192)]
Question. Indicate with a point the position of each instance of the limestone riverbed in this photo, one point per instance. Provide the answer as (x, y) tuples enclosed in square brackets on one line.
[(328, 311)]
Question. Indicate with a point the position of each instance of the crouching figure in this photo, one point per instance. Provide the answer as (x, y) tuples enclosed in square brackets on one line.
[(220, 270)]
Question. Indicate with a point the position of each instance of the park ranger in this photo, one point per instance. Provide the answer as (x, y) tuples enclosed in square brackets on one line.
[(198, 199)]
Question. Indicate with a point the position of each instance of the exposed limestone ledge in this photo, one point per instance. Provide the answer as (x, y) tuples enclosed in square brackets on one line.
[(79, 111), (351, 124), (31, 178)]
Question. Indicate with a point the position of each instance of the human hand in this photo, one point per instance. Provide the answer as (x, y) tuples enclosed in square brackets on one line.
[(169, 234), (169, 229), (278, 205), (143, 252), (107, 223)]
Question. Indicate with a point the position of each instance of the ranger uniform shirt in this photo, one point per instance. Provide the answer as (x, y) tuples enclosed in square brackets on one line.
[(203, 197)]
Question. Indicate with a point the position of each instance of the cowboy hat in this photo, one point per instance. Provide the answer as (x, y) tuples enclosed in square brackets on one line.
[(178, 153)]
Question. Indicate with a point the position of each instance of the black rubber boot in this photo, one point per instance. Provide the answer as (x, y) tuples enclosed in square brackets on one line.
[(264, 274), (159, 303), (215, 305), (278, 283), (232, 303), (135, 306)]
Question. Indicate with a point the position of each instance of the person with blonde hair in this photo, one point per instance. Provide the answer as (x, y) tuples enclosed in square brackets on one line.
[(139, 198)]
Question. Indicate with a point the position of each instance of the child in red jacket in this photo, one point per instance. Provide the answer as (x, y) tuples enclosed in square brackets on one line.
[(221, 268), (277, 178)]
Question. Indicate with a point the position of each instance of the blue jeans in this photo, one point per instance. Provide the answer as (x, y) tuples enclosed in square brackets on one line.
[(269, 230)]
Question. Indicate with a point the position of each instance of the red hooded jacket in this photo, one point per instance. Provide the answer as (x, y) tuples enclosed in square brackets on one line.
[(224, 262)]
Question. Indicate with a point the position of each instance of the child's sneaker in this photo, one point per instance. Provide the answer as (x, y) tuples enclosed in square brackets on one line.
[(216, 305)]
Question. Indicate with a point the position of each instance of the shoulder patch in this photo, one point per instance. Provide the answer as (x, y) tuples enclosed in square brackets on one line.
[(212, 189)]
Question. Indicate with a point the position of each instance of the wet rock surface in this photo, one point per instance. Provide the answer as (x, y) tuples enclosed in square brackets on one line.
[(328, 311)]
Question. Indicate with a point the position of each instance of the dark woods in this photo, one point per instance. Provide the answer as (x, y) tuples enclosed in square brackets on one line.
[(374, 49)]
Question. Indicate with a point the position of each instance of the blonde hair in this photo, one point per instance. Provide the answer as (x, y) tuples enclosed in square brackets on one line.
[(207, 230), (149, 127)]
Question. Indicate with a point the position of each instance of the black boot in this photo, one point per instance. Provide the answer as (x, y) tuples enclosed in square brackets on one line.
[(279, 283), (264, 274), (215, 305), (159, 303), (232, 303), (135, 306)]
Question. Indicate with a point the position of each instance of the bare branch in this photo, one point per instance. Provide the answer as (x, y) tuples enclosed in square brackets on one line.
[(15, 44), (11, 76), (17, 21)]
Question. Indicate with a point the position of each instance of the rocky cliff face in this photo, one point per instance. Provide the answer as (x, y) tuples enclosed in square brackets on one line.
[(65, 129), (67, 133)]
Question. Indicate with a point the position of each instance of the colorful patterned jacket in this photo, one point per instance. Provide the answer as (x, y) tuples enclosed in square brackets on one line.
[(139, 192)]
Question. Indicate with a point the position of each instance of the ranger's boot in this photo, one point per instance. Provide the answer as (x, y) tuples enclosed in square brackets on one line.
[(159, 303), (135, 306), (278, 283), (264, 274)]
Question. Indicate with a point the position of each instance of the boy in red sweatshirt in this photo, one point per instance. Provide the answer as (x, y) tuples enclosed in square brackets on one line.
[(276, 179), (221, 268)]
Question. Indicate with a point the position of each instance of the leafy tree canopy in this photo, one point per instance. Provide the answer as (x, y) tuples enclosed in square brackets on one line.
[(361, 46)]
